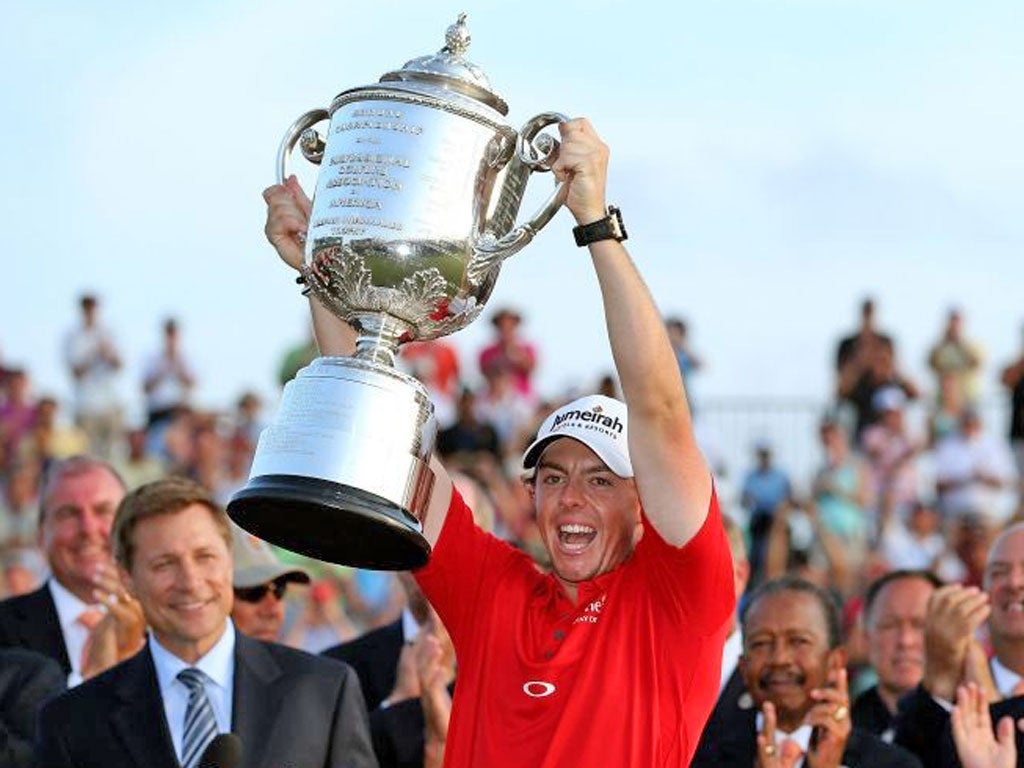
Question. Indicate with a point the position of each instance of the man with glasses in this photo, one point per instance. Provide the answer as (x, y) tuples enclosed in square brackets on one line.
[(260, 582)]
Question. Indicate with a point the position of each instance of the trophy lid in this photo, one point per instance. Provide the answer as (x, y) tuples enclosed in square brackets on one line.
[(448, 69)]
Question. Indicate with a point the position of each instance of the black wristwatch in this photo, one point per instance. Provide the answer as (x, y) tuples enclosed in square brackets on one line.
[(608, 228)]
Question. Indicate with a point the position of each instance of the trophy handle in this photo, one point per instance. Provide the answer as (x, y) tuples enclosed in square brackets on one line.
[(537, 151), (309, 141)]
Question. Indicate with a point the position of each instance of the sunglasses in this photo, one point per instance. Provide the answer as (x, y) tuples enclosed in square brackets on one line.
[(255, 594)]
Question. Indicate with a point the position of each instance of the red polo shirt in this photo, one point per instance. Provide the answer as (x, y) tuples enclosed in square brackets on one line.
[(625, 678)]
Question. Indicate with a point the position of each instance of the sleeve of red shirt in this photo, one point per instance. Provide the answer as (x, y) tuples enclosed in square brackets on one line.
[(463, 564), (696, 579)]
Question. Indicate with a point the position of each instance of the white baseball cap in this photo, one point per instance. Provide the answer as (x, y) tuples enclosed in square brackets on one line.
[(598, 422)]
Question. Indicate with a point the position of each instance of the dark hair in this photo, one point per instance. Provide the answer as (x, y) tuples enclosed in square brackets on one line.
[(876, 587), (829, 608), (676, 324), (161, 497)]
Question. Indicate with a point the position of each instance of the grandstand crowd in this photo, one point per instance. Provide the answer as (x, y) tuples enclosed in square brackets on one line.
[(886, 505)]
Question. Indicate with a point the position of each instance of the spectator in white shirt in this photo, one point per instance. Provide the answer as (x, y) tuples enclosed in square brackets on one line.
[(974, 471), (168, 378), (93, 360)]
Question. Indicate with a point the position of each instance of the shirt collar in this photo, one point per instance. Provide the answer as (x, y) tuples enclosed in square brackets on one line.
[(68, 606), (218, 664), (1005, 679), (410, 627), (802, 735), (731, 652)]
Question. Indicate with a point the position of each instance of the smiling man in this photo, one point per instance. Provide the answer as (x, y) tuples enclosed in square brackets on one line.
[(78, 499), (953, 657), (197, 676), (613, 658), (794, 667)]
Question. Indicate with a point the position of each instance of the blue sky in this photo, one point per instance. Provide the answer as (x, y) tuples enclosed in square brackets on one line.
[(774, 160)]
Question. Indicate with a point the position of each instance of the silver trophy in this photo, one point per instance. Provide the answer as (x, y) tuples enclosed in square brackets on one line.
[(415, 209)]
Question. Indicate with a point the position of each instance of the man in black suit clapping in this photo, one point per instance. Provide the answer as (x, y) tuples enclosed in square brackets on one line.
[(793, 665)]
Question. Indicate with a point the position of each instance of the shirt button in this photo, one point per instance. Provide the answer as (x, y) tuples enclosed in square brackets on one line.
[(559, 634), (549, 654)]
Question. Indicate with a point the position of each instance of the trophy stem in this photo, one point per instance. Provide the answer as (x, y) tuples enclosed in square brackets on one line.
[(379, 337)]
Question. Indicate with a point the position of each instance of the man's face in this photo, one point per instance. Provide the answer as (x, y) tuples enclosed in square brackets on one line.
[(786, 653), (895, 632), (588, 516), (954, 326), (1004, 581), (264, 617), (181, 574), (507, 326), (74, 532)]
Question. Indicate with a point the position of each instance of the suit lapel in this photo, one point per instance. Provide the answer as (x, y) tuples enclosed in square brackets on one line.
[(255, 708), (738, 745), (138, 718), (40, 627)]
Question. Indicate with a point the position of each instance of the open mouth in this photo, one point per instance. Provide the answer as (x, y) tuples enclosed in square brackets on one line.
[(575, 537)]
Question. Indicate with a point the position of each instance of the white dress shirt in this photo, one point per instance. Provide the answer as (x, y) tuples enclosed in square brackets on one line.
[(69, 608), (802, 735), (410, 627), (731, 652), (1005, 679), (219, 667)]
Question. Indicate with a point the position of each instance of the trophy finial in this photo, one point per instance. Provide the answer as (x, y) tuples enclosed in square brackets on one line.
[(457, 37)]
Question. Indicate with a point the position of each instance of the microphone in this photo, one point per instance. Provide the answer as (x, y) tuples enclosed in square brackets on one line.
[(225, 751)]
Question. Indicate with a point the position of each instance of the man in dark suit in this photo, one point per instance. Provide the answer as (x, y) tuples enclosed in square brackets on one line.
[(895, 607), (197, 676), (79, 498), (733, 693), (393, 668), (954, 658), (793, 665), (27, 680), (374, 656)]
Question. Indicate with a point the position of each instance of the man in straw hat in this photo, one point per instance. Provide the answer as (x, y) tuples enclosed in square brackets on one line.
[(260, 581)]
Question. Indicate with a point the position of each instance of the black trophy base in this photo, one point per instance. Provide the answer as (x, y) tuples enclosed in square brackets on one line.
[(331, 522)]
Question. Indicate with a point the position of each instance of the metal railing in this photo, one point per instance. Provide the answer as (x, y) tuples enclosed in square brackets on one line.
[(729, 427)]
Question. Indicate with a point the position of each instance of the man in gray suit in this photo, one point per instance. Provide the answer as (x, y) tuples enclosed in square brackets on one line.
[(197, 676)]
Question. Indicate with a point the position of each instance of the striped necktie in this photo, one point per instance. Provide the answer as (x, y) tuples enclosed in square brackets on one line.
[(200, 722)]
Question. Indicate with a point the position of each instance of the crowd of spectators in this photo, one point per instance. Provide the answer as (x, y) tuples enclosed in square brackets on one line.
[(884, 499)]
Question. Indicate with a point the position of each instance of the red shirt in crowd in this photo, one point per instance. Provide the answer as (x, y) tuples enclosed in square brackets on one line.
[(626, 677)]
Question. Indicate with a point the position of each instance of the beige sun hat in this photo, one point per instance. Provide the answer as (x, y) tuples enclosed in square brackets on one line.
[(256, 563)]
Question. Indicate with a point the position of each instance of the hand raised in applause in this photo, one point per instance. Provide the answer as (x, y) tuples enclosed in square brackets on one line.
[(121, 633), (976, 744), (954, 614)]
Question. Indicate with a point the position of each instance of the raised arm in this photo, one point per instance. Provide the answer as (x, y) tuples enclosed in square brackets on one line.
[(672, 478), (288, 211)]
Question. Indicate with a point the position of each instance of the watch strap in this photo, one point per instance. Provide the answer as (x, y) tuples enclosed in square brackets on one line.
[(608, 228)]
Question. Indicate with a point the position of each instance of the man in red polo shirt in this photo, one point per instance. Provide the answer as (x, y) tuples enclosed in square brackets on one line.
[(613, 658)]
